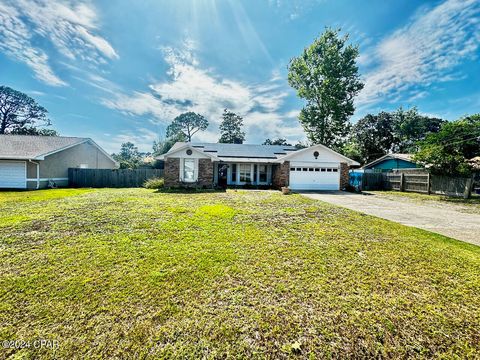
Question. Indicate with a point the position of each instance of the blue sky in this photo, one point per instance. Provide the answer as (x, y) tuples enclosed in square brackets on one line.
[(120, 71)]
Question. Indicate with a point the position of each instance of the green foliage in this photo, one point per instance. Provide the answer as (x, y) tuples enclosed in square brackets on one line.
[(154, 183), (129, 157), (410, 127), (135, 273), (279, 141), (163, 146), (20, 114), (231, 128), (399, 132), (372, 137), (186, 125), (34, 131), (326, 76), (448, 151)]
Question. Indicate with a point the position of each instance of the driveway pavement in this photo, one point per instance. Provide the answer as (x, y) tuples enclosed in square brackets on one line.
[(445, 219)]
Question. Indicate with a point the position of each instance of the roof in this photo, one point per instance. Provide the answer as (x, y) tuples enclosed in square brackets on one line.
[(239, 152), (247, 152), (34, 147), (405, 157)]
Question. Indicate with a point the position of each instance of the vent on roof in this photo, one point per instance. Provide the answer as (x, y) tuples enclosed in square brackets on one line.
[(198, 146), (210, 151), (289, 149), (280, 153)]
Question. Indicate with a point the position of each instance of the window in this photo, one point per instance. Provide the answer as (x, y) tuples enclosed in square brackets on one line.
[(299, 169), (292, 169), (234, 173), (310, 169), (329, 170), (335, 170), (323, 169), (262, 173), (317, 169), (255, 172), (305, 169), (245, 173), (188, 170)]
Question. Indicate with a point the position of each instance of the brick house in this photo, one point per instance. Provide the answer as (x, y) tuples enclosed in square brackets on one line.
[(208, 165)]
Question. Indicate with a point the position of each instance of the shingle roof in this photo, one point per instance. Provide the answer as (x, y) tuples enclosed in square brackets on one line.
[(406, 157), (32, 147), (244, 150)]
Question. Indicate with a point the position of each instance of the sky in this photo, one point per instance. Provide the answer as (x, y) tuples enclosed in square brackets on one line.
[(120, 71)]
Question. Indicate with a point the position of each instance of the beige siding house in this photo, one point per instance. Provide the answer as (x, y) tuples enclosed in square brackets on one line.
[(34, 162)]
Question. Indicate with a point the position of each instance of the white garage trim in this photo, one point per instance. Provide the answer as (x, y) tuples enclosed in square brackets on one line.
[(313, 177), (13, 174)]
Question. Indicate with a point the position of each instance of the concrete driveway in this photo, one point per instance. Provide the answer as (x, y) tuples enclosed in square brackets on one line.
[(445, 219)]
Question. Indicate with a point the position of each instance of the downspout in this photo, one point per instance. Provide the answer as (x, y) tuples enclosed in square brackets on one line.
[(38, 173)]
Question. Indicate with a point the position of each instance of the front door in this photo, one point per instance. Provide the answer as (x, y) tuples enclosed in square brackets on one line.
[(222, 175)]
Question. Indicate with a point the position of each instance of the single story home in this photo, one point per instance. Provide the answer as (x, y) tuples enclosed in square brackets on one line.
[(31, 162), (207, 165), (391, 162)]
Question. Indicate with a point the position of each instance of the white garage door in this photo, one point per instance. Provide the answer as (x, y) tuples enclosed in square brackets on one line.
[(13, 175), (314, 178)]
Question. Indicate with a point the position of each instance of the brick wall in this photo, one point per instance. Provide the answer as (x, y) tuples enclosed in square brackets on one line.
[(205, 173), (280, 175), (171, 172), (344, 176)]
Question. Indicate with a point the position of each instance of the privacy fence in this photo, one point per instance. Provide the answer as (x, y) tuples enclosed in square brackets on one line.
[(414, 182), (116, 178)]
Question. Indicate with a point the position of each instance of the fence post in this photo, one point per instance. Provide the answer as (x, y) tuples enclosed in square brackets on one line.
[(428, 183), (402, 182), (468, 189)]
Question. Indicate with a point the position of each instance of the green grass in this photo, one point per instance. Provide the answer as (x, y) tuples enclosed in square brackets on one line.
[(134, 273), (470, 205)]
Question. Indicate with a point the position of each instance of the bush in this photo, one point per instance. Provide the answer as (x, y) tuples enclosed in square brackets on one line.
[(153, 183)]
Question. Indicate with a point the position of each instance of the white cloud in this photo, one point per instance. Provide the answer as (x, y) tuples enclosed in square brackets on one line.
[(425, 51), (192, 88), (68, 25)]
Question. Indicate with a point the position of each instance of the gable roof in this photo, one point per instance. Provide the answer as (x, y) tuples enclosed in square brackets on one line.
[(323, 147), (248, 152), (404, 157), (236, 152), (34, 147)]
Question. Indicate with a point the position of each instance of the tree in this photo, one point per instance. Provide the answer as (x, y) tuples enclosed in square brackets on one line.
[(188, 124), (163, 146), (410, 127), (231, 128), (373, 136), (129, 157), (448, 150), (326, 76), (279, 141), (34, 131), (19, 112)]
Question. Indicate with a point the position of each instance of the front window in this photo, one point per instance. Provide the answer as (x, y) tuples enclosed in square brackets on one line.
[(234, 173), (189, 170), (262, 173), (245, 173)]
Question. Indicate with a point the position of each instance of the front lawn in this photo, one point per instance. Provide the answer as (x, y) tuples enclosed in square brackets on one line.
[(133, 273)]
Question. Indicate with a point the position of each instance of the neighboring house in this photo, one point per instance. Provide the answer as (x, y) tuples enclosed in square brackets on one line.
[(391, 162), (207, 165), (30, 162)]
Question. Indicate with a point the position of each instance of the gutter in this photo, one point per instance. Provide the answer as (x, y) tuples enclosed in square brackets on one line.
[(38, 173)]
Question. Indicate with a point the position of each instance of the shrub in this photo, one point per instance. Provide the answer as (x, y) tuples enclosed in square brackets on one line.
[(153, 183)]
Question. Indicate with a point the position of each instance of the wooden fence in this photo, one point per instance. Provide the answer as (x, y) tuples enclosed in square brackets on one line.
[(116, 178), (415, 182)]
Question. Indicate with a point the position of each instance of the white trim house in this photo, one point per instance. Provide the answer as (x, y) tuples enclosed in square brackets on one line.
[(32, 162), (207, 165)]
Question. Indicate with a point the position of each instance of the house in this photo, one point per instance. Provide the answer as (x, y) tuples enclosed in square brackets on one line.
[(391, 162), (207, 165), (31, 162)]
